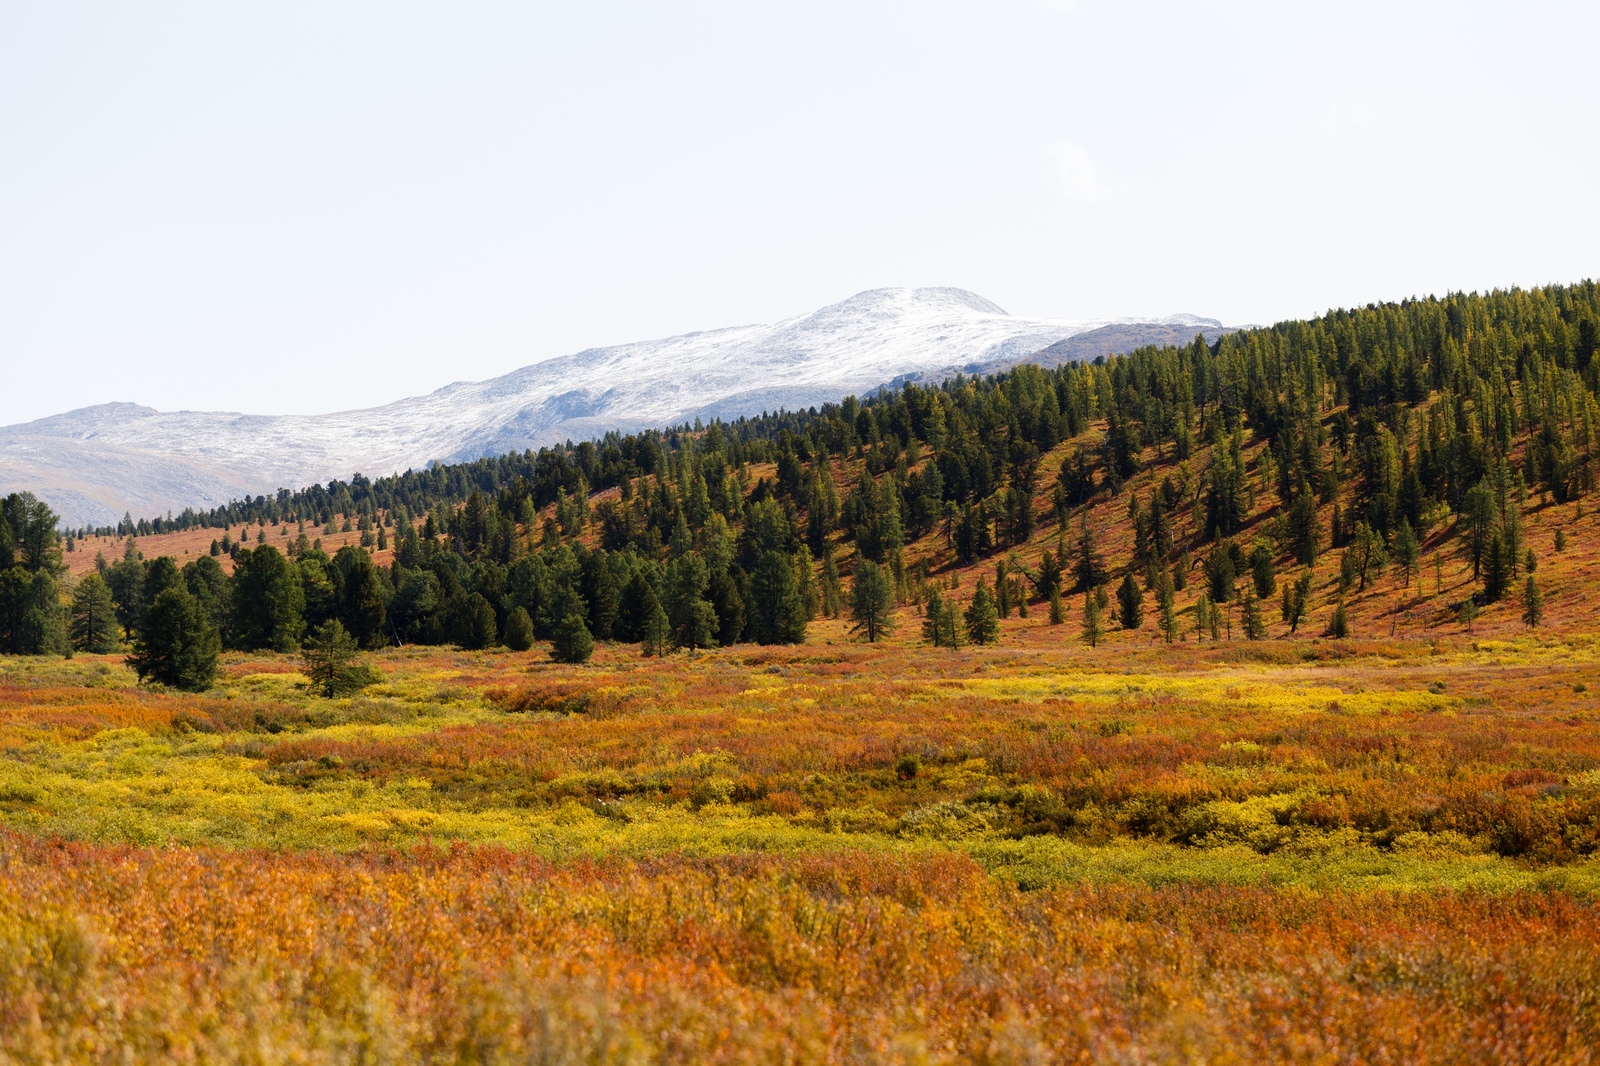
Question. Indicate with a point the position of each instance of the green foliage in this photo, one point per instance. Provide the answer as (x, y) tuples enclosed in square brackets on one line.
[(330, 659), (94, 626), (1532, 603), (1093, 628), (479, 627), (871, 601), (268, 601), (519, 630), (778, 614), (175, 644), (982, 616), (1338, 622), (1130, 603), (571, 642), (32, 621)]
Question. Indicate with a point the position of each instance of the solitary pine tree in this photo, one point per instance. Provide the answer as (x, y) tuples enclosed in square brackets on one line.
[(1130, 603), (1168, 612), (329, 657), (1532, 603), (1093, 629), (871, 601), (1255, 627), (1338, 623), (983, 618)]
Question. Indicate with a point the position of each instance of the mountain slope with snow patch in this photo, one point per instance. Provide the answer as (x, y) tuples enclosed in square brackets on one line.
[(93, 464)]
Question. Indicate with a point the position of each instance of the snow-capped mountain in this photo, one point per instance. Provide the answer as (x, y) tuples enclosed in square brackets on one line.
[(94, 464)]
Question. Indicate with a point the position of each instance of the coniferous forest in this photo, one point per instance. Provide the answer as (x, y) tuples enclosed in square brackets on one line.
[(1226, 702), (1360, 437)]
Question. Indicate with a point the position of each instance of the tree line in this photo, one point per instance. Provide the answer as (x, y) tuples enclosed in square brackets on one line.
[(1361, 432)]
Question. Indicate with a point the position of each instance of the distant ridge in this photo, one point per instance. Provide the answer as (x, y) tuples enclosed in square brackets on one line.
[(96, 463), (1120, 338)]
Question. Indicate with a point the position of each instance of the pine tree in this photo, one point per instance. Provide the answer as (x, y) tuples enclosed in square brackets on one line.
[(479, 627), (571, 641), (1295, 599), (1205, 618), (1255, 628), (329, 660), (933, 618), (1407, 551), (1058, 611), (518, 635), (1093, 629), (94, 619), (1168, 613), (175, 644), (982, 616), (832, 595), (1338, 623), (1130, 603), (1532, 603), (655, 635), (1088, 568), (778, 613), (871, 601)]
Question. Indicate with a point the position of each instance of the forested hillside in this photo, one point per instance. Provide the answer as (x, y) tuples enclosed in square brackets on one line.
[(1404, 464)]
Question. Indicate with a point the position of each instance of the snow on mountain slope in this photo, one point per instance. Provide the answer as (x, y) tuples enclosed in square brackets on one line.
[(95, 463)]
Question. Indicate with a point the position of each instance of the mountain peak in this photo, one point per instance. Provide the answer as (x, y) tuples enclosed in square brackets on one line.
[(97, 462)]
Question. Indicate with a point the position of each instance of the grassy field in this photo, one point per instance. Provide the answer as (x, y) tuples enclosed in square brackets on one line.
[(1316, 851)]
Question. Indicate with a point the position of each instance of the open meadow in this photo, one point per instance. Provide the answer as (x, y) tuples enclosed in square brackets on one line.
[(1315, 851)]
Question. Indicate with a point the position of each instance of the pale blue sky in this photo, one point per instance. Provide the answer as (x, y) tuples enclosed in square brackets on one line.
[(303, 207)]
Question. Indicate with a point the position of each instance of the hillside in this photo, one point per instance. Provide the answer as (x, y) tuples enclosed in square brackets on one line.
[(1408, 492), (705, 745), (95, 464)]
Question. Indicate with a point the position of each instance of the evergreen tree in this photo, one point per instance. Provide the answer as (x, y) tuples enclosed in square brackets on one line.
[(1058, 611), (1255, 628), (175, 643), (1532, 603), (1205, 618), (694, 620), (94, 619), (655, 636), (1496, 569), (1407, 551), (479, 627), (635, 605), (1295, 599), (1338, 623), (1093, 629), (1089, 568), (268, 601), (571, 642), (933, 618), (982, 616), (330, 661), (779, 614), (518, 635), (1262, 574), (32, 621), (1167, 616), (871, 601), (832, 595), (1130, 603)]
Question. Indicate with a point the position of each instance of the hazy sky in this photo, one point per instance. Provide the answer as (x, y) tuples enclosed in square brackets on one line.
[(303, 207)]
